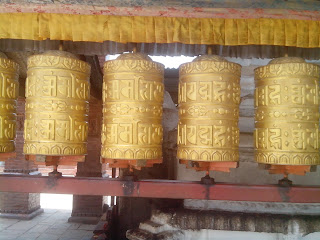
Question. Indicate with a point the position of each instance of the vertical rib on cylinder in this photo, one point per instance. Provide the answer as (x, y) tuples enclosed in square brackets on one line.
[(287, 112)]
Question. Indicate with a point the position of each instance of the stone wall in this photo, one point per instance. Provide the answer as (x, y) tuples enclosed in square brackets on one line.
[(183, 224)]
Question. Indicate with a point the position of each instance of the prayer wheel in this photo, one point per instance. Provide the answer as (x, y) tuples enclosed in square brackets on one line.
[(56, 121), (209, 98), (9, 89), (132, 111), (286, 131)]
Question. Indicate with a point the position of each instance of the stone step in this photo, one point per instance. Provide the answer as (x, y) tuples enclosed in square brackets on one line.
[(138, 234), (171, 235), (152, 227), (160, 217)]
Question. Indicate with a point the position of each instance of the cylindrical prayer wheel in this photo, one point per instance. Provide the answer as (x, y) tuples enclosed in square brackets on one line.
[(9, 89), (132, 111), (57, 95), (209, 97), (287, 113)]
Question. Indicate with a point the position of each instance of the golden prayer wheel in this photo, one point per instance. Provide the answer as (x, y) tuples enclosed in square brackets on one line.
[(57, 94), (132, 111), (209, 98), (287, 115), (9, 89)]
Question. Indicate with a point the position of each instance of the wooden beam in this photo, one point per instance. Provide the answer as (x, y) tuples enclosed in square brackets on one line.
[(96, 77)]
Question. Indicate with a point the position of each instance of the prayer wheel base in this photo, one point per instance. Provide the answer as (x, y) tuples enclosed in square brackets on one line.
[(207, 180), (210, 166), (55, 160), (288, 169), (6, 156), (55, 174), (285, 182), (131, 164)]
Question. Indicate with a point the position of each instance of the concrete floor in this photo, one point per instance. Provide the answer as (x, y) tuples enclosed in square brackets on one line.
[(50, 225)]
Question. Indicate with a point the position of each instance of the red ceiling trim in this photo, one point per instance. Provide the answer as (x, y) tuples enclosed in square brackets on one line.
[(188, 12)]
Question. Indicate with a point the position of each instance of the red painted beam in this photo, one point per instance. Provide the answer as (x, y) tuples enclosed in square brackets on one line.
[(160, 189)]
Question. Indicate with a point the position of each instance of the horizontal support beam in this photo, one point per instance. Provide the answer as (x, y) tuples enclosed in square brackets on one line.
[(305, 10), (159, 189)]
